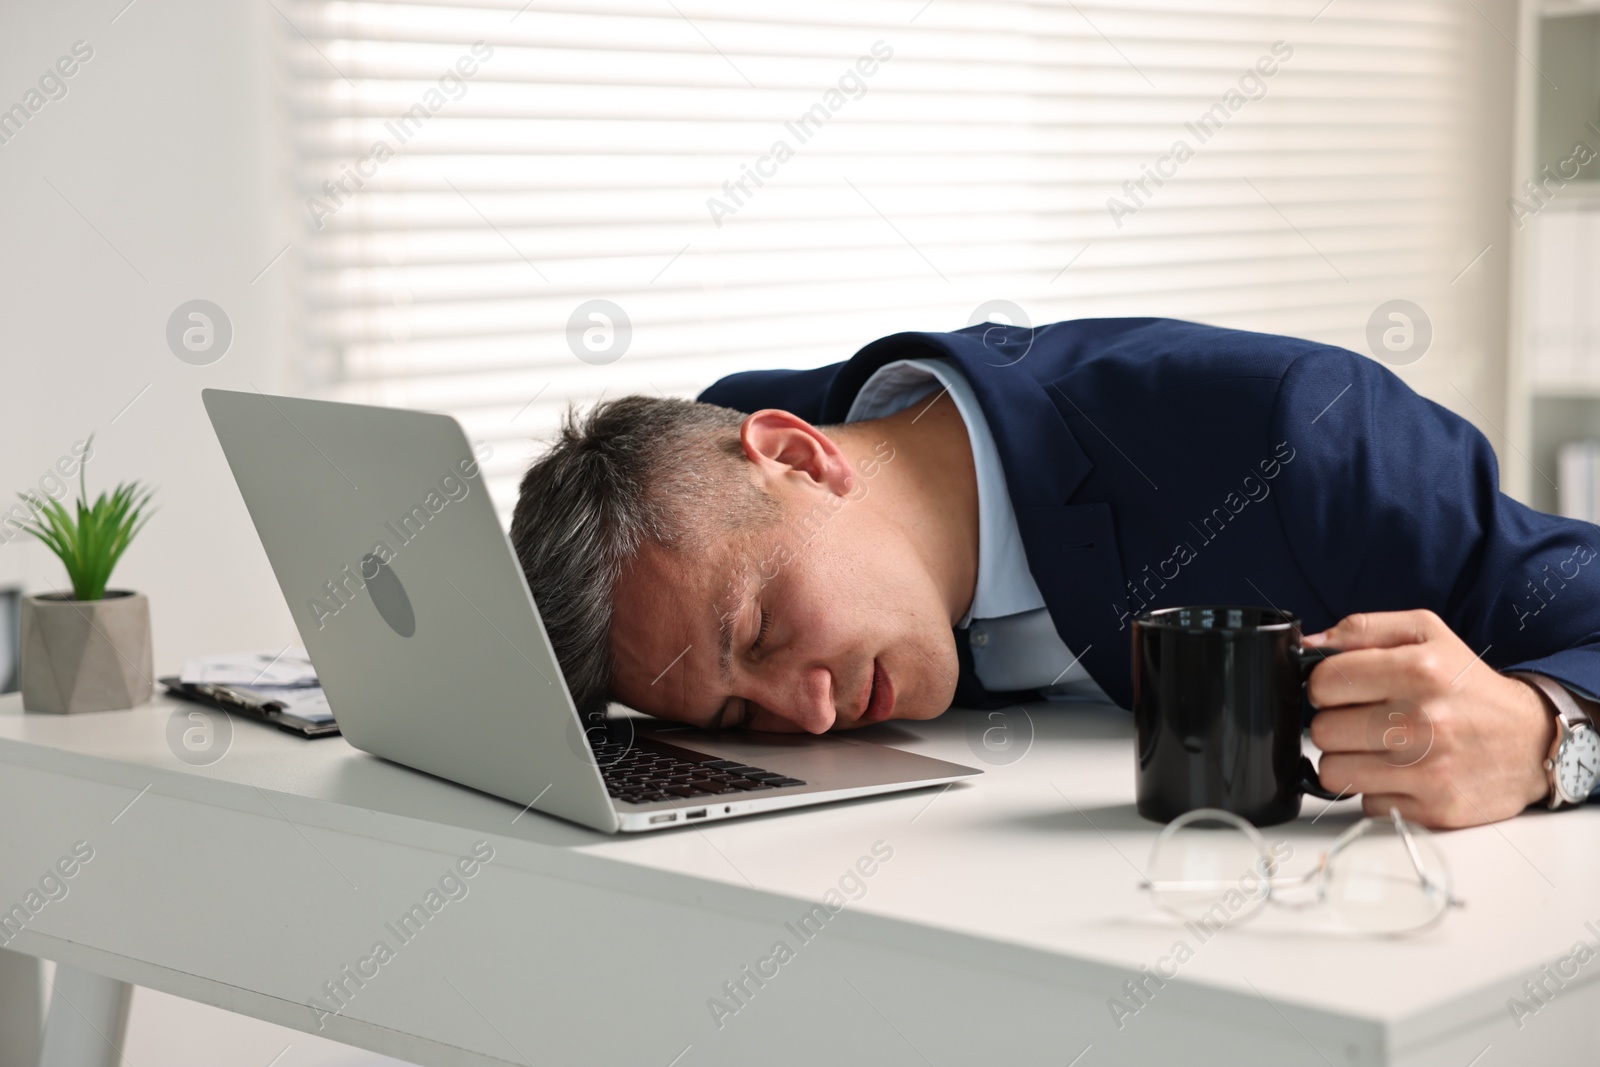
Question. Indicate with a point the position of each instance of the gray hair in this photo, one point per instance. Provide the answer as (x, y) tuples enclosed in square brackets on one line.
[(633, 470)]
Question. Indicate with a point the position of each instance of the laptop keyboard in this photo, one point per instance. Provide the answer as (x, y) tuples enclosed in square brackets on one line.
[(643, 773)]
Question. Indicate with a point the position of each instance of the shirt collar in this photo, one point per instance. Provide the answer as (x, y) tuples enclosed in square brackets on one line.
[(1005, 586)]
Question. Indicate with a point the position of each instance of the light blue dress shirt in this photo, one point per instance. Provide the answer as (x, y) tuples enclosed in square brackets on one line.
[(1014, 643)]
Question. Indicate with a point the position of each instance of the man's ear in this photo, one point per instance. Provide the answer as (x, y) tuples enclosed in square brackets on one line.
[(781, 443)]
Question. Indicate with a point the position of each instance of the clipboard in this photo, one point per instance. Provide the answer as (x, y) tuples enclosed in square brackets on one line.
[(234, 702)]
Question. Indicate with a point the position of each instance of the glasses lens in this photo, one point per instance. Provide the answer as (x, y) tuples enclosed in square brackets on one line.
[(1210, 867), (1380, 882)]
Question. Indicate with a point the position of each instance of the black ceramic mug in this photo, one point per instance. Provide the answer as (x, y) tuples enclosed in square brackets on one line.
[(1216, 711)]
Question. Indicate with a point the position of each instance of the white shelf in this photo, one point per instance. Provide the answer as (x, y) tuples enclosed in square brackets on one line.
[(1565, 390), (1555, 9), (1578, 195)]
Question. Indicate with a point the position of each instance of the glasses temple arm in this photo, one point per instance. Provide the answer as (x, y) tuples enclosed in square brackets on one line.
[(1416, 857)]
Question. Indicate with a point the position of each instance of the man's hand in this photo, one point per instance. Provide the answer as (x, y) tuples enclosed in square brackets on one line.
[(1409, 716)]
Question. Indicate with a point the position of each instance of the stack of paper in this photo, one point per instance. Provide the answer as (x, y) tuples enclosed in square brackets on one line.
[(285, 676), (289, 666)]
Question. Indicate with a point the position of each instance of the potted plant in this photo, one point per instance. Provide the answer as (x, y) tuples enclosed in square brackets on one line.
[(89, 651)]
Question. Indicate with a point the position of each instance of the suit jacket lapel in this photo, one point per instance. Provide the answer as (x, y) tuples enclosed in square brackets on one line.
[(1072, 548)]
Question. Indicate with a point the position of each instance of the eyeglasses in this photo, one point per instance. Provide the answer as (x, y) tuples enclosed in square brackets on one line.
[(1214, 869)]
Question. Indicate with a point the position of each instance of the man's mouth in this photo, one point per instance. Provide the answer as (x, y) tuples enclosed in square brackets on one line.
[(880, 698)]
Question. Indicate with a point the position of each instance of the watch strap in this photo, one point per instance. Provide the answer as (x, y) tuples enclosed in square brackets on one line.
[(1566, 704), (1568, 710)]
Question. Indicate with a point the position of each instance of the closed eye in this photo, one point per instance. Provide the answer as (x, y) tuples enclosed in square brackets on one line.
[(761, 635)]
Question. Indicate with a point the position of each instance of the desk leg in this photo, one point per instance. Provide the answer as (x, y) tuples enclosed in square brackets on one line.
[(88, 1015), (20, 1009)]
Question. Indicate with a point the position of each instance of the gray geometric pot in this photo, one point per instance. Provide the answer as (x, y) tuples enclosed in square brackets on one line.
[(86, 655)]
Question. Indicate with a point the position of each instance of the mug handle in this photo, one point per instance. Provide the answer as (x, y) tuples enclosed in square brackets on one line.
[(1304, 660), (1310, 783)]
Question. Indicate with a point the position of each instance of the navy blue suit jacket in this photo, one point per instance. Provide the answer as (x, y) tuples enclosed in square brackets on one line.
[(1154, 462)]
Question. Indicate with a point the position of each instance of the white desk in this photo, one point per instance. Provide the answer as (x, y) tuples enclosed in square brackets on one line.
[(1004, 922)]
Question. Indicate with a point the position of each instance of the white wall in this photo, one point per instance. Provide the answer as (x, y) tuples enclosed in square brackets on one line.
[(165, 144)]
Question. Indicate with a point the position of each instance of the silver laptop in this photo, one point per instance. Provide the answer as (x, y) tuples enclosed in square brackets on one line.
[(417, 616)]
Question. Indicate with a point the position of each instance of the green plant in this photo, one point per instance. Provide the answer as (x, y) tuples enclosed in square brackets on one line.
[(90, 546)]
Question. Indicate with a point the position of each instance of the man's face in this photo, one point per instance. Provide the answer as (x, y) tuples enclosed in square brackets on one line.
[(825, 619)]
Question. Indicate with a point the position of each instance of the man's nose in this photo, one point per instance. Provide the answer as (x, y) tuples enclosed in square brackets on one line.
[(805, 698)]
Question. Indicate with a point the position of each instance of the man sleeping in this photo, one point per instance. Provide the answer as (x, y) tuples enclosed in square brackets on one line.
[(977, 517)]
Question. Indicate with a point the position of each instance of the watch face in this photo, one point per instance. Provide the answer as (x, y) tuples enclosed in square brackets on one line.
[(1578, 764)]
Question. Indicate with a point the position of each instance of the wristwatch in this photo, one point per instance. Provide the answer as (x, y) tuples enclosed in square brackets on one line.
[(1573, 765)]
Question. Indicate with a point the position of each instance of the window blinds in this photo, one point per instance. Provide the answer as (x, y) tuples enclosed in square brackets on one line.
[(775, 185)]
